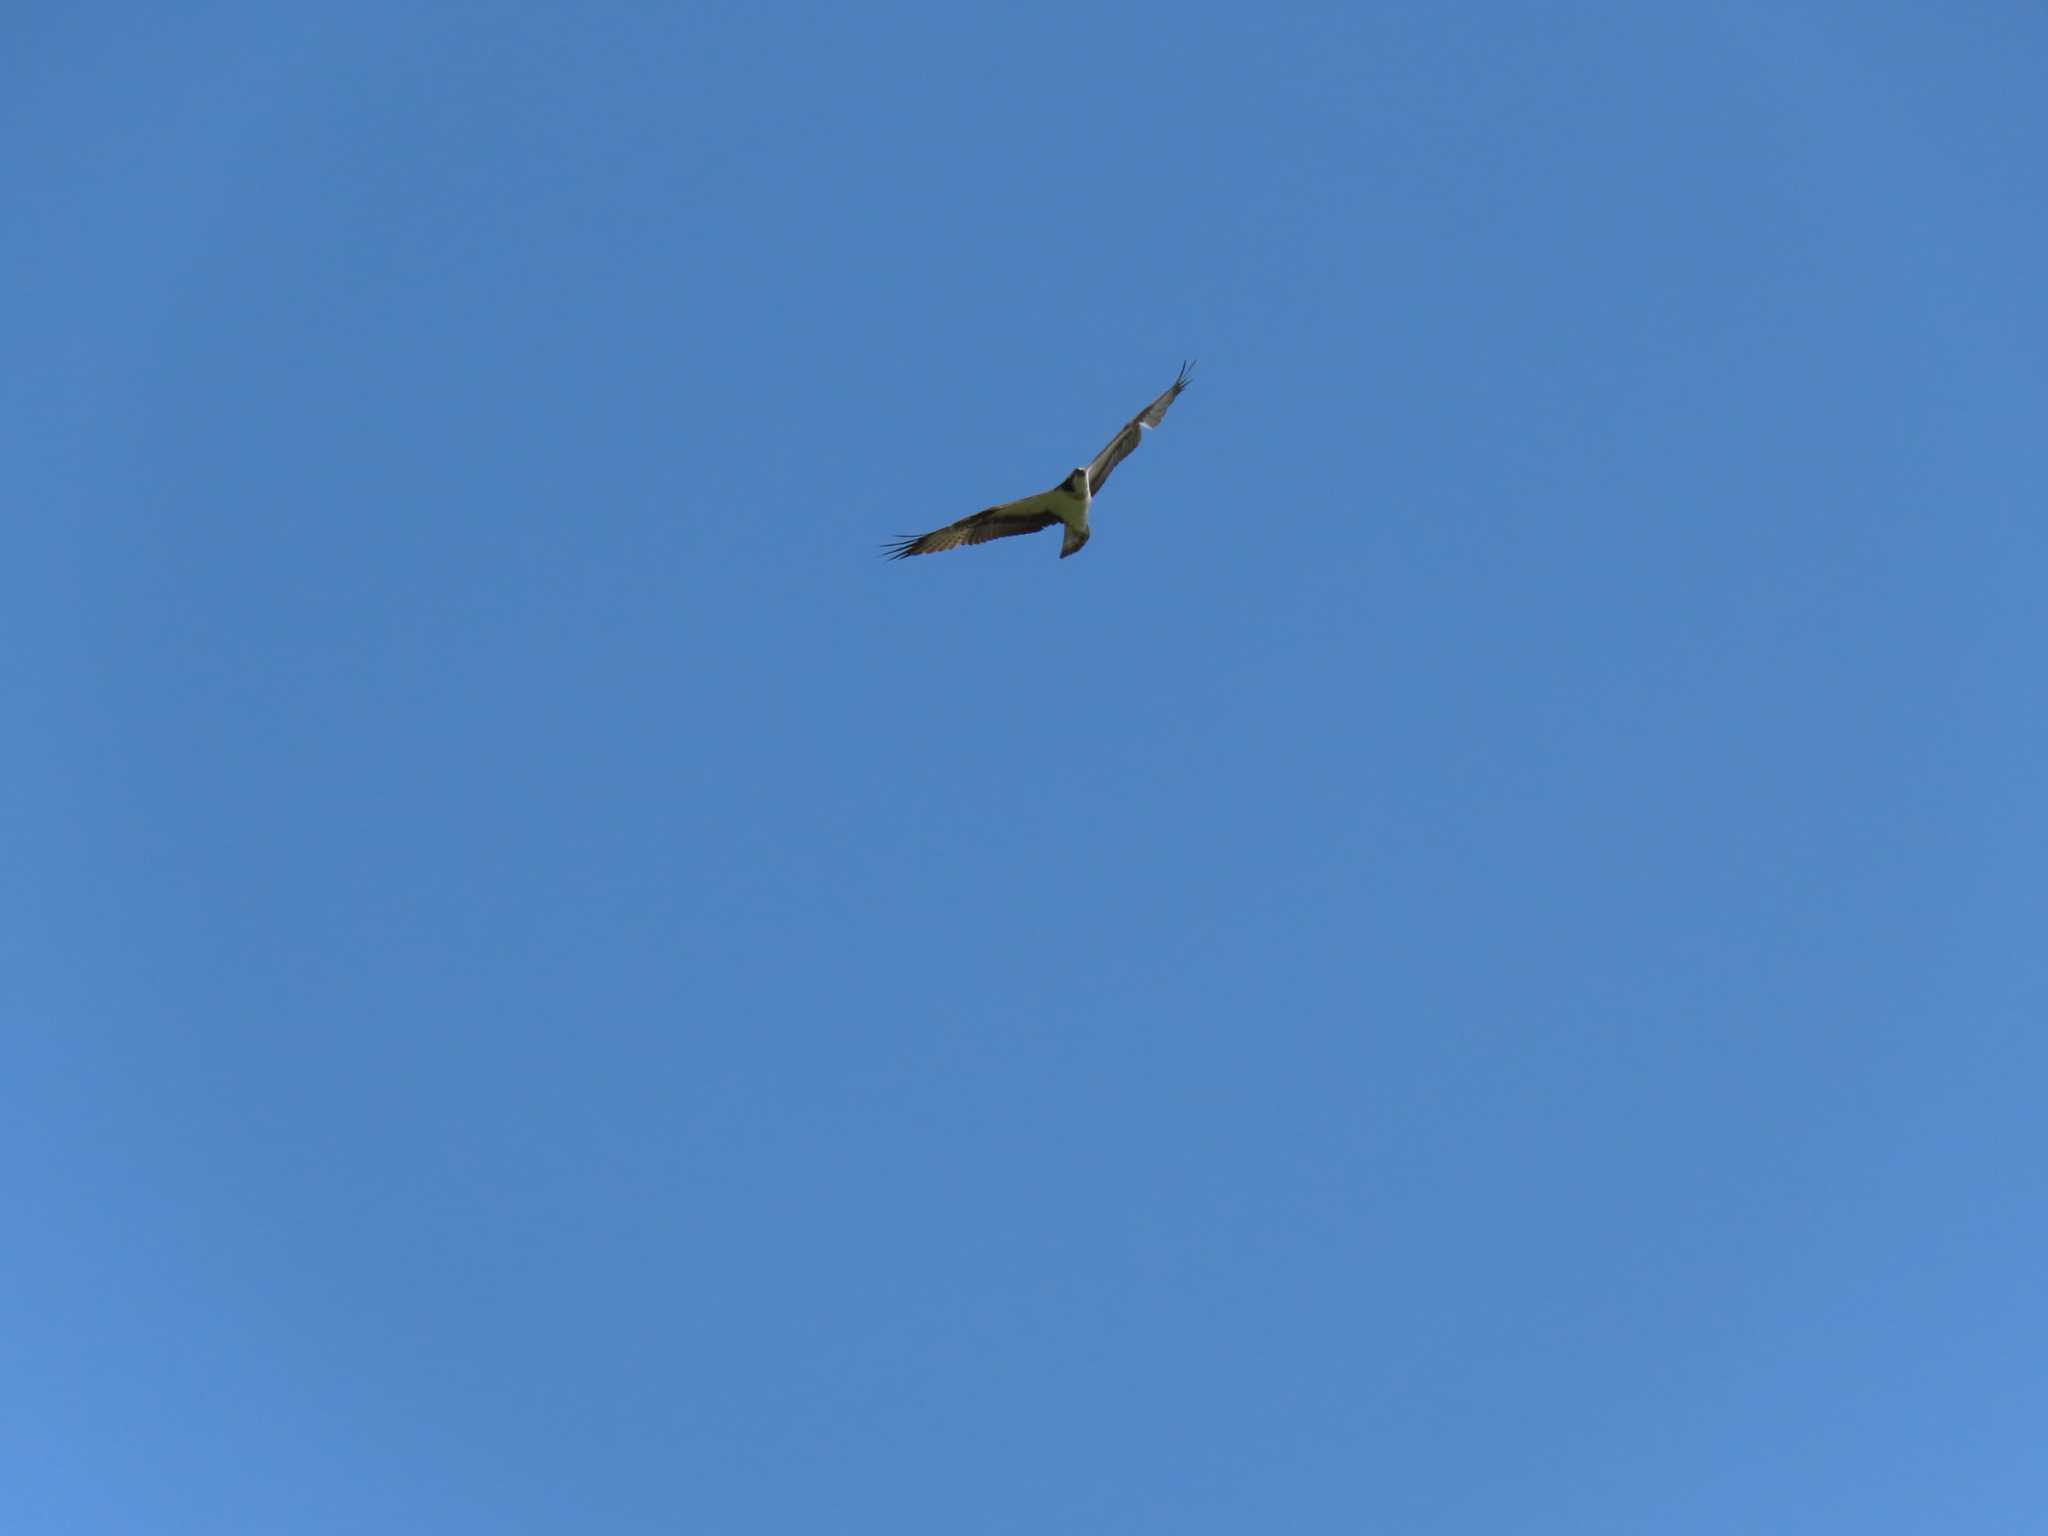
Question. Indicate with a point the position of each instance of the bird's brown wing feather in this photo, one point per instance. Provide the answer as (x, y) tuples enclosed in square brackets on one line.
[(1119, 448), (1013, 517)]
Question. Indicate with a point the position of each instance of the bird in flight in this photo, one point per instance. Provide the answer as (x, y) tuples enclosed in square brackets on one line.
[(1066, 503)]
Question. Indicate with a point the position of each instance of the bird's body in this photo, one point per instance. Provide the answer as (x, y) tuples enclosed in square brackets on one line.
[(1066, 503)]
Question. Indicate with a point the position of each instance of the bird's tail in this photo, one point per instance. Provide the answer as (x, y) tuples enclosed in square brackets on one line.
[(1075, 538)]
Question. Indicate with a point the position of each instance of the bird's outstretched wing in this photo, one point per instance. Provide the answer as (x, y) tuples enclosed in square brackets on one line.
[(1012, 517), (1119, 447)]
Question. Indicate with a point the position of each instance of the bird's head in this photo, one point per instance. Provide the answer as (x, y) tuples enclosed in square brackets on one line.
[(1076, 484)]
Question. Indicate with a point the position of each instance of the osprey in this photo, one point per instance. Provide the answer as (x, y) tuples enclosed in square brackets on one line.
[(1065, 503)]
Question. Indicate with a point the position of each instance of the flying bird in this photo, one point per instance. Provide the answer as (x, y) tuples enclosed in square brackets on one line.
[(1066, 503)]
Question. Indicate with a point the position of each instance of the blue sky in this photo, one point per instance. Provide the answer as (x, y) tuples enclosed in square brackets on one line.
[(1473, 964)]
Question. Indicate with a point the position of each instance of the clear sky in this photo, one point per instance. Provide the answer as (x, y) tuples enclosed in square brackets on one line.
[(1476, 963)]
